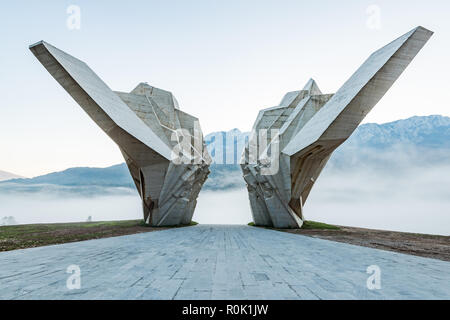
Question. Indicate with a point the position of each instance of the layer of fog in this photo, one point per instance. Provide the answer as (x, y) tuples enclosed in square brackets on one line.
[(410, 200), (414, 199), (213, 207), (223, 207), (49, 208)]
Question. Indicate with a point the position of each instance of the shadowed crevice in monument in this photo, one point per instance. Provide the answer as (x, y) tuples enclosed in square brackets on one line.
[(308, 126), (147, 125)]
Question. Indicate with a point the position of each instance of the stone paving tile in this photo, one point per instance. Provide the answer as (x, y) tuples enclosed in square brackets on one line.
[(218, 262)]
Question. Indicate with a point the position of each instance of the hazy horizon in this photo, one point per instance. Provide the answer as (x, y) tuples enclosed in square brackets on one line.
[(414, 199), (393, 179)]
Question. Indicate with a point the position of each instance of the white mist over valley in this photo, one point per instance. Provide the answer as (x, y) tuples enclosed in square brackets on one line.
[(394, 176)]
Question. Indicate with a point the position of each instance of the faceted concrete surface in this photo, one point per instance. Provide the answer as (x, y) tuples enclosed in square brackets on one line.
[(162, 146), (218, 262), (307, 126)]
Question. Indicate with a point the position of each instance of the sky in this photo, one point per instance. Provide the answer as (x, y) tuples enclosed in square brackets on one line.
[(223, 60)]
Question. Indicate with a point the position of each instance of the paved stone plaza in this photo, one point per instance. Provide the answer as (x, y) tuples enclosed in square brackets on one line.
[(218, 262)]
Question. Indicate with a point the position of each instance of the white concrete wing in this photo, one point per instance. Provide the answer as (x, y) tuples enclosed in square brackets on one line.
[(308, 126), (162, 145), (74, 74), (352, 102)]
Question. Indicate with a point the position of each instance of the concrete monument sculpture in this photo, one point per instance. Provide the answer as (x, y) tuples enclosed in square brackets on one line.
[(148, 127), (307, 126)]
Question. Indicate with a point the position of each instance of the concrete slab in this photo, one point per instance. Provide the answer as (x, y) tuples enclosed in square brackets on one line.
[(218, 262)]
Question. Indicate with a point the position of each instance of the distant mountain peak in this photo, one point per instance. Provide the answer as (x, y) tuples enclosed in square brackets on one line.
[(234, 131), (8, 176), (434, 118), (424, 131)]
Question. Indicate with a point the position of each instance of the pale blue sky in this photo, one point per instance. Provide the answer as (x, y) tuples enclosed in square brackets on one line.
[(223, 60)]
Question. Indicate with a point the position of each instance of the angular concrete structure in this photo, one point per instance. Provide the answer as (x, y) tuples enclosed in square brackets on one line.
[(147, 125), (308, 126)]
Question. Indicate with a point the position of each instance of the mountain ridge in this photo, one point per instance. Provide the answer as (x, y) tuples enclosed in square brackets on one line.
[(5, 176), (419, 139)]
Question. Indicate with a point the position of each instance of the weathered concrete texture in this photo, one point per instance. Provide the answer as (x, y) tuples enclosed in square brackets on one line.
[(218, 262), (308, 126), (146, 124)]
